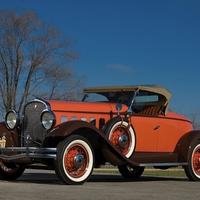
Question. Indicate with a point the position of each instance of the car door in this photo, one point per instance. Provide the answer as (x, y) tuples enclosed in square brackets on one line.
[(146, 133)]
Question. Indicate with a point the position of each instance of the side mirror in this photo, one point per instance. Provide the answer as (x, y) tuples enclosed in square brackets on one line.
[(118, 108)]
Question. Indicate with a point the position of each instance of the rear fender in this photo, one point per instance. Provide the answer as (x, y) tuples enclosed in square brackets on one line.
[(97, 139), (186, 145)]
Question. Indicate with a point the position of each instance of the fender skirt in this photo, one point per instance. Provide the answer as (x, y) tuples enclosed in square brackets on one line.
[(95, 136)]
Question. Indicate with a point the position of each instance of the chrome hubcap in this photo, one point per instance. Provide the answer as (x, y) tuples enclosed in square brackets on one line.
[(78, 160), (123, 141)]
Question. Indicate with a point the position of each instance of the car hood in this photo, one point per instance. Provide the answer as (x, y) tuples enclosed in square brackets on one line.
[(84, 106)]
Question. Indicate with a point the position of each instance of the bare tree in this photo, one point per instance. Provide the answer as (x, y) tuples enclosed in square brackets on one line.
[(34, 57), (63, 85), (195, 119)]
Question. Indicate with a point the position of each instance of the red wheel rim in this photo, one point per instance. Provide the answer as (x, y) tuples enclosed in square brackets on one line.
[(69, 160), (117, 132), (195, 161)]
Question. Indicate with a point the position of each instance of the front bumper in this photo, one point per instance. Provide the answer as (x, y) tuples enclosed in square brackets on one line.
[(28, 152)]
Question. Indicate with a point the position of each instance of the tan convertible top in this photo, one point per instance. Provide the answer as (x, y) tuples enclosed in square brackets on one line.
[(151, 88)]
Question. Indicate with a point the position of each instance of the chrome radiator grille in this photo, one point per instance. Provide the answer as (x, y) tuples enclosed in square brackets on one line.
[(32, 126)]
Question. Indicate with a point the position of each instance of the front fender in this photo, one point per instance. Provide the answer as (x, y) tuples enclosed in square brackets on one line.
[(97, 139), (186, 145), (11, 137)]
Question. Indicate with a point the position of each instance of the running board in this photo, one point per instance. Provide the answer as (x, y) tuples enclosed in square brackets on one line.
[(162, 164)]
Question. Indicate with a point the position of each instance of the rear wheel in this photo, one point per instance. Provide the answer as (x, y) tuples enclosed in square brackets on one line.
[(193, 169), (130, 171), (75, 159), (10, 172)]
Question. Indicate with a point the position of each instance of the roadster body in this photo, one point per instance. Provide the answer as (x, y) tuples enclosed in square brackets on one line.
[(127, 126)]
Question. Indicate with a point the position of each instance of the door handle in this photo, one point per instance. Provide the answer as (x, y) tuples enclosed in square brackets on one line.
[(157, 127)]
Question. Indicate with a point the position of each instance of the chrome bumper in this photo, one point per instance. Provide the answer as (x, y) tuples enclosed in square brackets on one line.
[(28, 152)]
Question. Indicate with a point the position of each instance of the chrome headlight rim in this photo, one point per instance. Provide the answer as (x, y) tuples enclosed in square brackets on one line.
[(48, 119), (12, 119)]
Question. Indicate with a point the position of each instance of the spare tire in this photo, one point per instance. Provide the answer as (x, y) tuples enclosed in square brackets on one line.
[(121, 134)]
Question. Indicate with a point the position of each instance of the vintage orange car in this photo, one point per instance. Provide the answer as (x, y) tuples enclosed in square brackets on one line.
[(128, 126)]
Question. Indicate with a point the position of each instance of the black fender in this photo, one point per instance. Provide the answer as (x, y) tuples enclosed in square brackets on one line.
[(186, 145), (94, 135), (12, 137)]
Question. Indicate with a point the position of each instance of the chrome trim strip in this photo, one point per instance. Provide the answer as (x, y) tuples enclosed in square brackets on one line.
[(162, 164), (24, 155), (30, 149), (29, 152), (48, 106)]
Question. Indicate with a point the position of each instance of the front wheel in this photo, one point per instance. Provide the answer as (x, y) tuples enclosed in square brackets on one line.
[(130, 172), (193, 169), (75, 160), (10, 172)]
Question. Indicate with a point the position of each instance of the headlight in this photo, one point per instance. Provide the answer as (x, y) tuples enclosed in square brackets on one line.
[(48, 119), (12, 119)]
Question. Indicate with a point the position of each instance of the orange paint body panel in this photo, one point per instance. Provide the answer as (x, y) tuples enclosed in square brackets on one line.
[(146, 136), (172, 128), (79, 110), (160, 134), (153, 134)]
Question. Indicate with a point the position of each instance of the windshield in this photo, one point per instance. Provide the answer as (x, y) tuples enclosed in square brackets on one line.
[(94, 97), (109, 96)]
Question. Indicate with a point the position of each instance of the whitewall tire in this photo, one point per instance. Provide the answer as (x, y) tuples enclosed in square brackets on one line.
[(75, 160)]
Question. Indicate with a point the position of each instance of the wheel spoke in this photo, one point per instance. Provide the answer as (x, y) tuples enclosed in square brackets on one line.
[(75, 160), (117, 133), (195, 161), (70, 156)]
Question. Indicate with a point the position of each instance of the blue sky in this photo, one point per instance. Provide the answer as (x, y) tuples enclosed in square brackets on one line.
[(131, 42)]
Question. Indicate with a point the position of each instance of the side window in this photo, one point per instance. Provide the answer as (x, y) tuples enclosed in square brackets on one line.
[(73, 118), (144, 99), (63, 119), (148, 103), (83, 119), (93, 121)]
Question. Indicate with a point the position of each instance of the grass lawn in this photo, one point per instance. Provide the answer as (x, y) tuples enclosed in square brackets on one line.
[(175, 173)]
